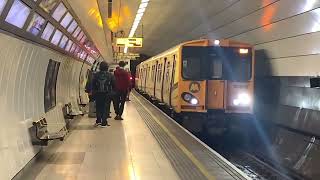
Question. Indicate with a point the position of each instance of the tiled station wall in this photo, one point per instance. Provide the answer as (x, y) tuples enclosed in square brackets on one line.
[(23, 67)]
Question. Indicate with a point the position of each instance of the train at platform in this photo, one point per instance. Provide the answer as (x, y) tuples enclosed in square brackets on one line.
[(202, 81)]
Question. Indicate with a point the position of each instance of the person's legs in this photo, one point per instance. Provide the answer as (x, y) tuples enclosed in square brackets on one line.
[(116, 104), (128, 95), (123, 97), (99, 108), (105, 110)]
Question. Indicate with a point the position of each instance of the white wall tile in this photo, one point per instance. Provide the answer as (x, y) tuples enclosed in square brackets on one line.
[(22, 76)]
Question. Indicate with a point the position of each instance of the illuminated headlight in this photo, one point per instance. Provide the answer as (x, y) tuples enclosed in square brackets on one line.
[(243, 99), (189, 98), (216, 42), (194, 101)]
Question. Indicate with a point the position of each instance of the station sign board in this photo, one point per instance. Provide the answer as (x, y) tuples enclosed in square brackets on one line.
[(129, 42), (121, 56)]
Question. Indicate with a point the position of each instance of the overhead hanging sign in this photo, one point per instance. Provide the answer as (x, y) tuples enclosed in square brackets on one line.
[(129, 42), (121, 56)]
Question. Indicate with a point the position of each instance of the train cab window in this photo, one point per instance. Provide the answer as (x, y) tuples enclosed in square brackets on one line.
[(236, 66), (18, 14), (215, 67), (192, 68), (36, 24), (227, 63), (2, 4)]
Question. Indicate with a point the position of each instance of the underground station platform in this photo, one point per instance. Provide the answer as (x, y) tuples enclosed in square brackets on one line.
[(146, 145)]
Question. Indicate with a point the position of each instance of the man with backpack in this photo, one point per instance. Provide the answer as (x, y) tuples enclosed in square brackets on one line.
[(122, 85), (103, 89)]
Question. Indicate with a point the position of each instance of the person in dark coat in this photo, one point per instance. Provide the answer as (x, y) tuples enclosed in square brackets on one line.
[(122, 85), (103, 85)]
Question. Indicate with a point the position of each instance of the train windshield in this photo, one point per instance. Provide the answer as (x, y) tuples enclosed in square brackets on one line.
[(226, 63)]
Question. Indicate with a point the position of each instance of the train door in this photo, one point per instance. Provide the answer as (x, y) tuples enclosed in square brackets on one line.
[(172, 88), (158, 80), (155, 78), (167, 82), (141, 78), (215, 86), (145, 78), (149, 80), (162, 77)]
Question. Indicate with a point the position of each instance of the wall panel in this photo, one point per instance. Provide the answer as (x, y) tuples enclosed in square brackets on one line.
[(23, 67)]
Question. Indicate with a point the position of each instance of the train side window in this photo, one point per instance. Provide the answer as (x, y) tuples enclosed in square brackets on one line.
[(168, 70), (160, 73), (154, 72)]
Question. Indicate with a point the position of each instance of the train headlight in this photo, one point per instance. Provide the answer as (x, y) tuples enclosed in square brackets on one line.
[(243, 99), (194, 101), (189, 98)]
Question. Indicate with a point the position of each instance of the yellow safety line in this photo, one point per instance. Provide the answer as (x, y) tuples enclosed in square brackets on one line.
[(180, 145)]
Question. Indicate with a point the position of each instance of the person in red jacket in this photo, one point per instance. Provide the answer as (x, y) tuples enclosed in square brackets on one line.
[(122, 85)]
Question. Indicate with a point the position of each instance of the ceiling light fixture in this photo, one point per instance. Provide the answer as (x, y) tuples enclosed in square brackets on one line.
[(142, 8)]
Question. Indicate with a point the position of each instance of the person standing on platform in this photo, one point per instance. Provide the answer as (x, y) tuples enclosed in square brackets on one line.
[(88, 90), (122, 85), (130, 87), (103, 91)]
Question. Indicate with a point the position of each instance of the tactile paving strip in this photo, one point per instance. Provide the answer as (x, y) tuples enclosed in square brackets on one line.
[(182, 164), (185, 168)]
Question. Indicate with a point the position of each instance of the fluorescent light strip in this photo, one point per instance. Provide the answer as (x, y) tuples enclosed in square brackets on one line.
[(139, 15), (143, 5)]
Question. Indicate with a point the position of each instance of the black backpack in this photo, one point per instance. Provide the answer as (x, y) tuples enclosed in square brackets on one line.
[(104, 83)]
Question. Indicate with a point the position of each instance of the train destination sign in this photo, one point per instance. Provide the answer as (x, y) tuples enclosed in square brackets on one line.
[(129, 42)]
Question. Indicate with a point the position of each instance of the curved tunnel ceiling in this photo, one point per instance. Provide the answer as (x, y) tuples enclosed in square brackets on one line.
[(90, 17), (273, 25)]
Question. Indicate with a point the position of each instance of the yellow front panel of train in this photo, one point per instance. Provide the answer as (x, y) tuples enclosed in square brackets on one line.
[(193, 95)]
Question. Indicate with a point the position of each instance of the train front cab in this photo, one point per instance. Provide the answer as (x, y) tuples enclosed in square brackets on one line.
[(216, 83)]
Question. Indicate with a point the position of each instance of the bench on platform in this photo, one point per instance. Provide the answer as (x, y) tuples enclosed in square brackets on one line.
[(42, 134)]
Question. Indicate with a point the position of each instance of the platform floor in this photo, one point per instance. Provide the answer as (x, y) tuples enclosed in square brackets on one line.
[(124, 151), (146, 145)]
